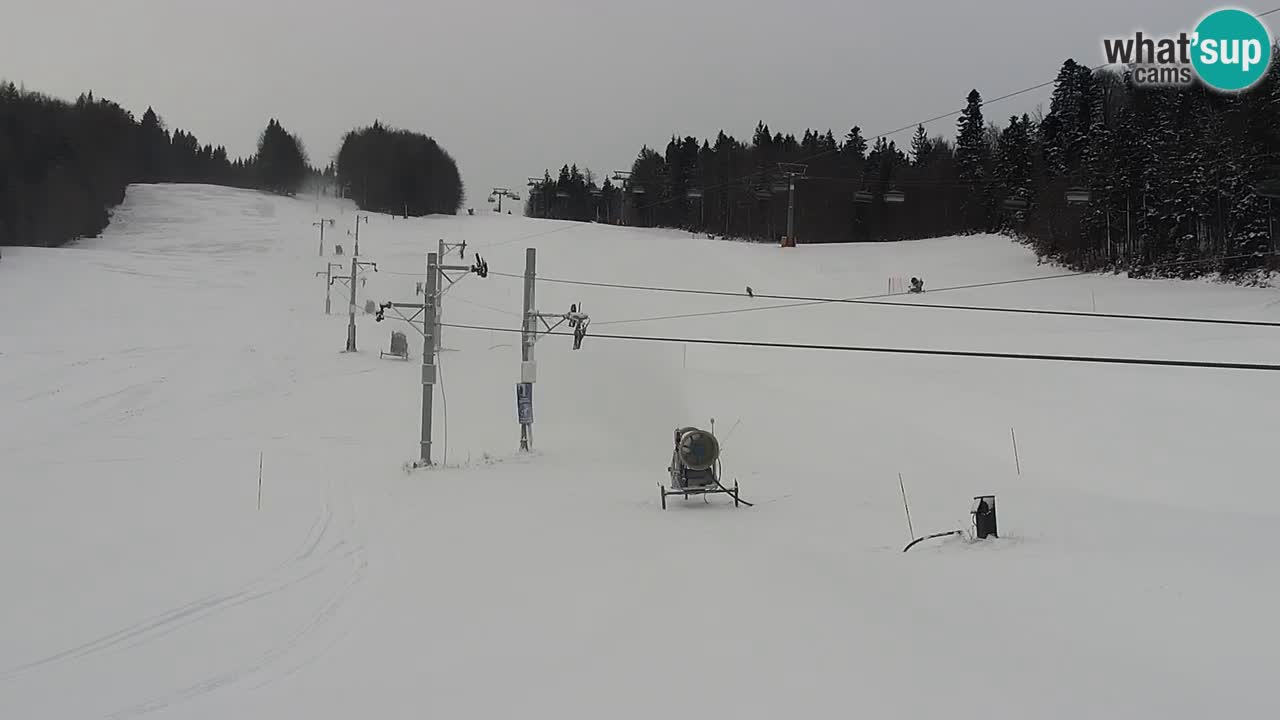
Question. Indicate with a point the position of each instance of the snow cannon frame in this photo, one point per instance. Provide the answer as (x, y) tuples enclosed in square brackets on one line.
[(399, 344), (695, 467)]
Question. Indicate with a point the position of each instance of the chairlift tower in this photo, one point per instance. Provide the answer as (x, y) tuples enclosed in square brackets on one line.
[(321, 224), (359, 218), (536, 191), (791, 171), (498, 193), (428, 312), (328, 284), (351, 309), (529, 336), (1078, 195), (622, 180), (596, 194)]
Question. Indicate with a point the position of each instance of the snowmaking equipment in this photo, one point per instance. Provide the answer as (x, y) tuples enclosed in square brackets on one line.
[(695, 466), (984, 521)]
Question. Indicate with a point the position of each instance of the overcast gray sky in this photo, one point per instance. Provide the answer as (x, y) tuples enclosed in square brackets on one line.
[(510, 88)]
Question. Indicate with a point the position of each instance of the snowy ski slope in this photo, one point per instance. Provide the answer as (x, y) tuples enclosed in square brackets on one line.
[(142, 374)]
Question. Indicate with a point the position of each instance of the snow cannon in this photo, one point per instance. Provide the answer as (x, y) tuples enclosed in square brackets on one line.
[(697, 450), (695, 466)]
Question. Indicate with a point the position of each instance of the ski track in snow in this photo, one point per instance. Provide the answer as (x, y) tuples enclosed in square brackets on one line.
[(329, 548), (339, 553), (1133, 575)]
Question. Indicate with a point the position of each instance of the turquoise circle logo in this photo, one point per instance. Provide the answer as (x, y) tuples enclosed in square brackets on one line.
[(1232, 49)]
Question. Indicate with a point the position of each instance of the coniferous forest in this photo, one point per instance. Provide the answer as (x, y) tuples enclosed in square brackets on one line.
[(1171, 181), (398, 172), (1113, 175), (65, 165)]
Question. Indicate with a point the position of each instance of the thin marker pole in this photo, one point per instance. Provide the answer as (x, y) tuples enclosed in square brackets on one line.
[(905, 506), (1016, 463)]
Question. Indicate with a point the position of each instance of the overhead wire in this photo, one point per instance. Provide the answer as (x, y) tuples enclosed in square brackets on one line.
[(511, 313), (909, 126), (1089, 359), (757, 174), (823, 153), (455, 299), (802, 301), (877, 300), (869, 299)]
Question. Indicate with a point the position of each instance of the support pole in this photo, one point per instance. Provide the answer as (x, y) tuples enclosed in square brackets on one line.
[(351, 311), (1128, 229), (791, 210), (528, 335), (321, 223), (791, 171), (359, 217), (428, 353), (328, 285), (439, 308), (428, 311)]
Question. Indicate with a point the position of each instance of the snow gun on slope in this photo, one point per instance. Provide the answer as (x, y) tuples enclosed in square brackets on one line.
[(695, 467)]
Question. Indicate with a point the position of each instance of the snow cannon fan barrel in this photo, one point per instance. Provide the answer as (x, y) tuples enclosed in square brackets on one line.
[(698, 449)]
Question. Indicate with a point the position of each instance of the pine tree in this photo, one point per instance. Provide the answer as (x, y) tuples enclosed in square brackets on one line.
[(1071, 115), (648, 182), (921, 146), (282, 162), (972, 155), (1173, 174), (153, 149), (855, 146), (1013, 158)]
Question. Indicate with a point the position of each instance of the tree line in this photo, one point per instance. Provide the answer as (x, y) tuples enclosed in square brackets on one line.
[(399, 172), (64, 166), (1175, 180)]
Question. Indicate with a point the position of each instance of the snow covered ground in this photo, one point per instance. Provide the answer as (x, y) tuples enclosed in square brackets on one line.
[(144, 374)]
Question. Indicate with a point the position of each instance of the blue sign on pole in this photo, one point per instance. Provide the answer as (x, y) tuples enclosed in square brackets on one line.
[(524, 403)]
